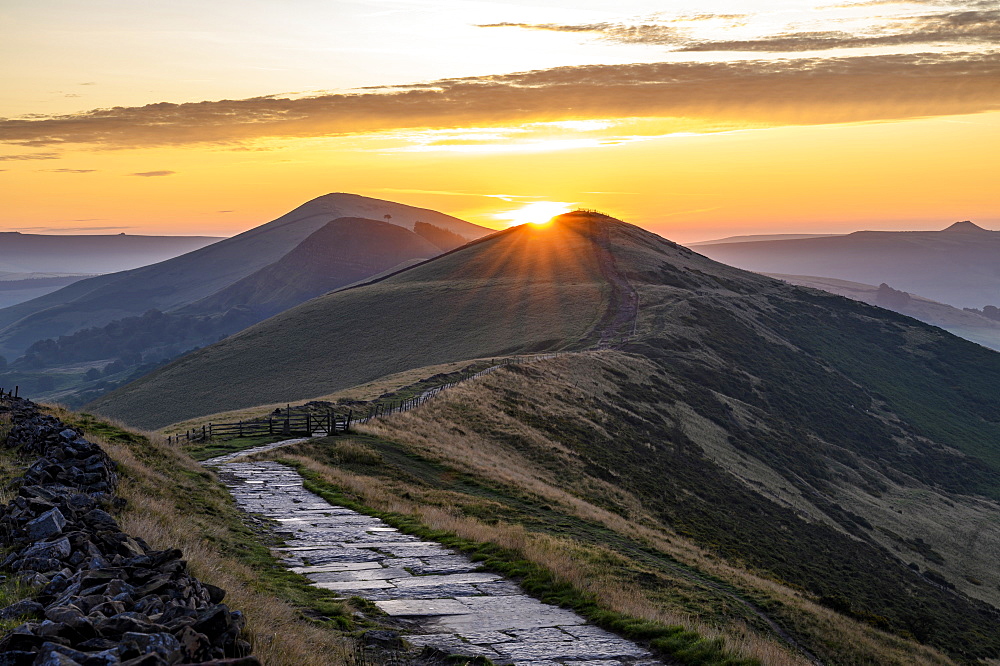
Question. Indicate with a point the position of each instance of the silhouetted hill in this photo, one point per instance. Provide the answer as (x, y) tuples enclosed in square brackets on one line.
[(344, 251), (182, 280), (956, 266)]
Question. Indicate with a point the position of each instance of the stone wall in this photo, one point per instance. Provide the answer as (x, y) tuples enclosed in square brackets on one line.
[(100, 597)]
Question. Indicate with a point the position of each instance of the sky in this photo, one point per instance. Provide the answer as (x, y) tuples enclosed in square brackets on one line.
[(696, 120)]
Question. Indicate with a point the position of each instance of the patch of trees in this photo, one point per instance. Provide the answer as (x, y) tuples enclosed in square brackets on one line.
[(890, 298), (444, 239), (988, 311), (130, 341)]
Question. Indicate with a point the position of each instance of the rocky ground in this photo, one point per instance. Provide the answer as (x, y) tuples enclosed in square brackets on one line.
[(96, 596)]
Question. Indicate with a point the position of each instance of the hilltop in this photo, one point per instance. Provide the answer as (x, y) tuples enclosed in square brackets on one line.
[(344, 251), (180, 281), (956, 265)]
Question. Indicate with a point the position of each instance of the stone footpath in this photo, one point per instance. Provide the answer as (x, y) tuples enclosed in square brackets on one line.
[(229, 457), (440, 596)]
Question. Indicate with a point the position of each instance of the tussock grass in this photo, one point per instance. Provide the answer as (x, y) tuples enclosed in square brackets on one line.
[(463, 431)]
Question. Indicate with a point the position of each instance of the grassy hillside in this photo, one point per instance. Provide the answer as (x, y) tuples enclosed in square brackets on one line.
[(344, 251), (830, 464), (851, 557), (182, 280), (523, 290)]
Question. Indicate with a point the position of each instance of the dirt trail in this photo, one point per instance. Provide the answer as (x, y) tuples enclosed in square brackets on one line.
[(620, 319)]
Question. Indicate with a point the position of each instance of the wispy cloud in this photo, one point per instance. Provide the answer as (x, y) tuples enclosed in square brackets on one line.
[(957, 27), (719, 95), (69, 170), (153, 174), (973, 26), (27, 157), (61, 229)]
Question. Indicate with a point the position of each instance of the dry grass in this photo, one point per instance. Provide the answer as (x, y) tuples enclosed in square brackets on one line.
[(174, 503), (437, 431), (590, 569)]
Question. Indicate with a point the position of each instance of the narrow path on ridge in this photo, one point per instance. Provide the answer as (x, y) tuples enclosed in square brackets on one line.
[(622, 314)]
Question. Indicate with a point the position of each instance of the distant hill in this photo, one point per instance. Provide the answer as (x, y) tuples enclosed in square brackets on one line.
[(19, 287), (957, 265), (755, 238), (962, 323), (69, 253), (841, 449), (344, 251), (190, 277)]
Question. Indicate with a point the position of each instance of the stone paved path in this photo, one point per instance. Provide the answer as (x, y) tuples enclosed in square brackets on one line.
[(447, 601), (229, 457)]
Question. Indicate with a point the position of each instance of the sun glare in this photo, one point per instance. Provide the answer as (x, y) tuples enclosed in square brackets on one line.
[(536, 212)]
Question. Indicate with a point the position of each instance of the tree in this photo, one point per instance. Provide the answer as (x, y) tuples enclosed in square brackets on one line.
[(387, 217), (92, 374)]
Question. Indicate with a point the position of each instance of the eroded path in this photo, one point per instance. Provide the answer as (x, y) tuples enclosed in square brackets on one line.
[(440, 595)]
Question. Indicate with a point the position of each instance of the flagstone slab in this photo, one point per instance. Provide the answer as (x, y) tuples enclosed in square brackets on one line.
[(425, 607)]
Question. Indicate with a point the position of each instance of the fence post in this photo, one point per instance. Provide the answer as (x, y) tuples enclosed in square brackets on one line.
[(308, 424), (347, 426), (270, 425), (204, 434), (16, 390)]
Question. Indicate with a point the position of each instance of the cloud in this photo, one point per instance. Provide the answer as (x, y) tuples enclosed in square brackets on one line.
[(69, 170), (33, 156), (30, 229), (225, 211), (705, 95), (650, 33), (153, 174), (967, 27)]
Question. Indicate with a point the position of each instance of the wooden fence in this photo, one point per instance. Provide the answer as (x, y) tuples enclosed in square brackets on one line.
[(307, 423), (303, 423)]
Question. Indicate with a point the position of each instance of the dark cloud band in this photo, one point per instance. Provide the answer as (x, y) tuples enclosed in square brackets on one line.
[(803, 91)]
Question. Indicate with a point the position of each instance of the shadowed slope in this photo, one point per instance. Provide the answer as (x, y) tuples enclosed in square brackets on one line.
[(185, 279), (344, 251), (522, 290)]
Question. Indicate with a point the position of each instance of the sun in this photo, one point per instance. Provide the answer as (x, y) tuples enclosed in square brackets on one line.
[(536, 212)]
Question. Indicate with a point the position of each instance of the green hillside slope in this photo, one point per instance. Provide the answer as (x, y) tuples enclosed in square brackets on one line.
[(182, 280), (525, 289), (344, 251)]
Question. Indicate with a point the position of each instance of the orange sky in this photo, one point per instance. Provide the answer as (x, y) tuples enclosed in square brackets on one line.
[(720, 119)]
